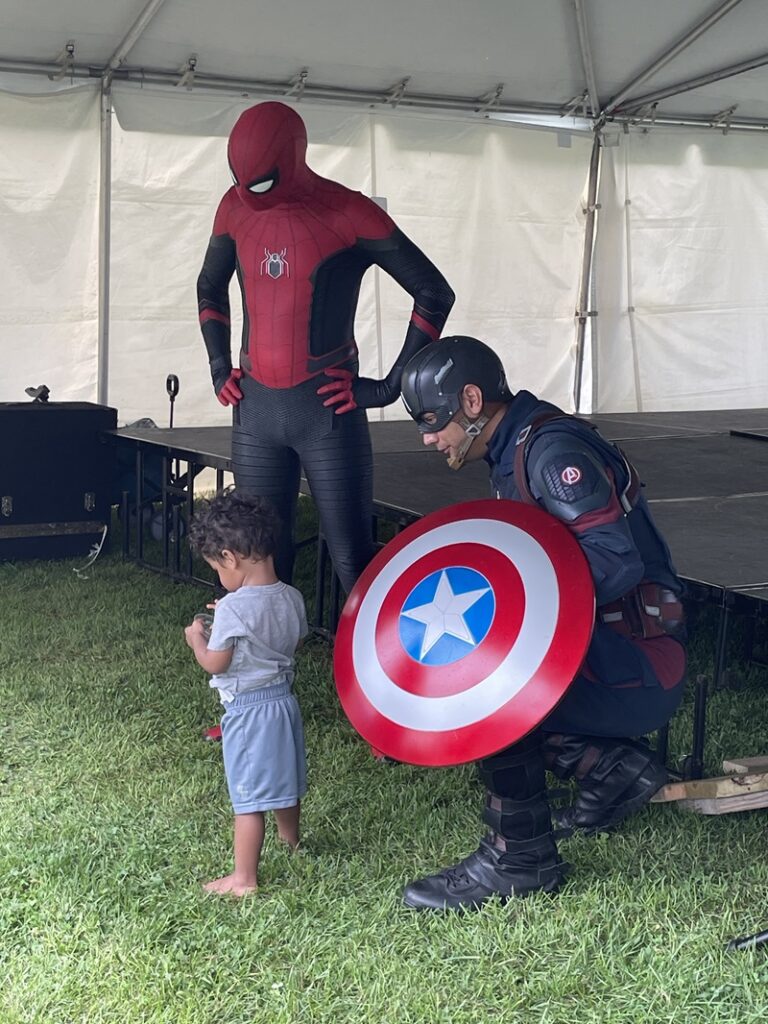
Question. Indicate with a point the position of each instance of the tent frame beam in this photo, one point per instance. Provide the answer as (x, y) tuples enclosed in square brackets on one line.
[(717, 75), (322, 93), (131, 37), (682, 44), (586, 57), (366, 97)]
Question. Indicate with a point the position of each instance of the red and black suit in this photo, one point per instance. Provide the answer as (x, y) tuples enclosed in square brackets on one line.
[(300, 245)]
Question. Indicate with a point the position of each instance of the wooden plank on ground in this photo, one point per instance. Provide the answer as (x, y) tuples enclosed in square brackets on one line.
[(726, 804), (746, 765), (724, 786)]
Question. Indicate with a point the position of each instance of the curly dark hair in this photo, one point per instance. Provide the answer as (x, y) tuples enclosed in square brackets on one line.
[(234, 522)]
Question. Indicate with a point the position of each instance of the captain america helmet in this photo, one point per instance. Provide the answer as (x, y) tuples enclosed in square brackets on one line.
[(435, 377)]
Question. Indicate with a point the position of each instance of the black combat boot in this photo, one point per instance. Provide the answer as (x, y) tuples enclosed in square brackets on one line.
[(519, 854), (616, 777)]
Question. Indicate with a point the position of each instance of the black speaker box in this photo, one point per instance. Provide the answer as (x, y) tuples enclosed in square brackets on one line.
[(56, 478)]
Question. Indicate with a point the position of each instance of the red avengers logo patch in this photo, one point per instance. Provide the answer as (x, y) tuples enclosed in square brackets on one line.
[(571, 475), (464, 632)]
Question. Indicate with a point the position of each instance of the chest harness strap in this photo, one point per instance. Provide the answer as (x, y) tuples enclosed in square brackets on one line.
[(648, 610)]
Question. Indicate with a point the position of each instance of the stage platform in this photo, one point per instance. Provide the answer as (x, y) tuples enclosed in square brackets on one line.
[(706, 481), (706, 475)]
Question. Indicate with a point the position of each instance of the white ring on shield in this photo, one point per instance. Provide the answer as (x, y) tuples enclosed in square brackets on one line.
[(456, 710)]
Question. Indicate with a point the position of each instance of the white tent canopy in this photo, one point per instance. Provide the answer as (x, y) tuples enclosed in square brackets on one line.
[(103, 231), (542, 53)]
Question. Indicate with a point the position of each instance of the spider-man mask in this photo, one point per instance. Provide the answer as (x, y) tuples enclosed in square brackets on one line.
[(266, 151)]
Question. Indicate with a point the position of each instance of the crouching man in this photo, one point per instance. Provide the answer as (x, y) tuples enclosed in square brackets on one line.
[(632, 679)]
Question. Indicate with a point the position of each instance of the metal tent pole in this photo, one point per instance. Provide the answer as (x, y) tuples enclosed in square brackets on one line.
[(583, 312), (370, 98), (586, 57), (105, 214), (716, 75), (105, 193), (129, 40)]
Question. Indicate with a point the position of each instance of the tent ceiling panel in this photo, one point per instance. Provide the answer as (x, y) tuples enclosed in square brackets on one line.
[(447, 48), (39, 29)]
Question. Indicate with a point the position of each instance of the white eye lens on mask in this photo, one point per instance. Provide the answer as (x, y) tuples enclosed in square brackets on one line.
[(262, 186)]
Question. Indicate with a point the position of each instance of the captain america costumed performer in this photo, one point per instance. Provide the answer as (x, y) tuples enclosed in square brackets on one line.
[(300, 245), (632, 679)]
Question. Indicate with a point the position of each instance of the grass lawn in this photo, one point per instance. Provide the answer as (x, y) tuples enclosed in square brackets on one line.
[(113, 811)]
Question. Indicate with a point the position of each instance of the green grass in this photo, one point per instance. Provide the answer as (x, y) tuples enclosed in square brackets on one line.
[(112, 812)]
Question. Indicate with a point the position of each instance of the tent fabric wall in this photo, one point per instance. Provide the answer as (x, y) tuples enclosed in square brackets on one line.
[(680, 290), (49, 179), (680, 261), (497, 208)]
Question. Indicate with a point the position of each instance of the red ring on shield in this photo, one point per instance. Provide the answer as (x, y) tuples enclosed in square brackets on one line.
[(490, 699)]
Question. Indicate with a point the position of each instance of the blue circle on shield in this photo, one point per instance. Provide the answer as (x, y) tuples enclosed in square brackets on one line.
[(447, 615)]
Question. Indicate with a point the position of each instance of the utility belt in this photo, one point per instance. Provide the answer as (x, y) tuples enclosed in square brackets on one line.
[(648, 611)]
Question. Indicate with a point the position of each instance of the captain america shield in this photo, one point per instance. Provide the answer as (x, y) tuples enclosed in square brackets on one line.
[(464, 632)]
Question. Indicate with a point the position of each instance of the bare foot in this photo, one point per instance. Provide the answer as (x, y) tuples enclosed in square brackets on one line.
[(294, 844), (230, 886)]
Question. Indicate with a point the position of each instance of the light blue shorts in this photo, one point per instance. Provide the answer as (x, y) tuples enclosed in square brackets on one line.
[(263, 745)]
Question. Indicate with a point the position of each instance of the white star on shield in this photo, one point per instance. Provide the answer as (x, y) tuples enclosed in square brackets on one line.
[(445, 614)]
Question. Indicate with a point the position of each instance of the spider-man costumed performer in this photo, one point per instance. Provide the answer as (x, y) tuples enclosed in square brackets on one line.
[(301, 244)]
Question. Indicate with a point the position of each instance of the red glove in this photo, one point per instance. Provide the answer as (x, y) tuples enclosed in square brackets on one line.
[(340, 390), (230, 393)]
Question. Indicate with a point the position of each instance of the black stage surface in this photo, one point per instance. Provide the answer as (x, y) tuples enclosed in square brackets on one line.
[(706, 475), (756, 435)]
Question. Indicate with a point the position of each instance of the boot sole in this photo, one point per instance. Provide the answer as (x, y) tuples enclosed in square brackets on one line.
[(550, 888)]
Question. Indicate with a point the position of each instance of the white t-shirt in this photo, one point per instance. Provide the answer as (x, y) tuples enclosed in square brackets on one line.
[(264, 626)]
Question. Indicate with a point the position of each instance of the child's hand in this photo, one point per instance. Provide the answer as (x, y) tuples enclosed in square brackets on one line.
[(206, 621), (194, 632)]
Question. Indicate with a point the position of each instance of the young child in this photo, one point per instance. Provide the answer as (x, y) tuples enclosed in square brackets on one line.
[(256, 628)]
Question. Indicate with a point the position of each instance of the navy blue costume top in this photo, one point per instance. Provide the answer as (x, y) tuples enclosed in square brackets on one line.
[(579, 477)]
